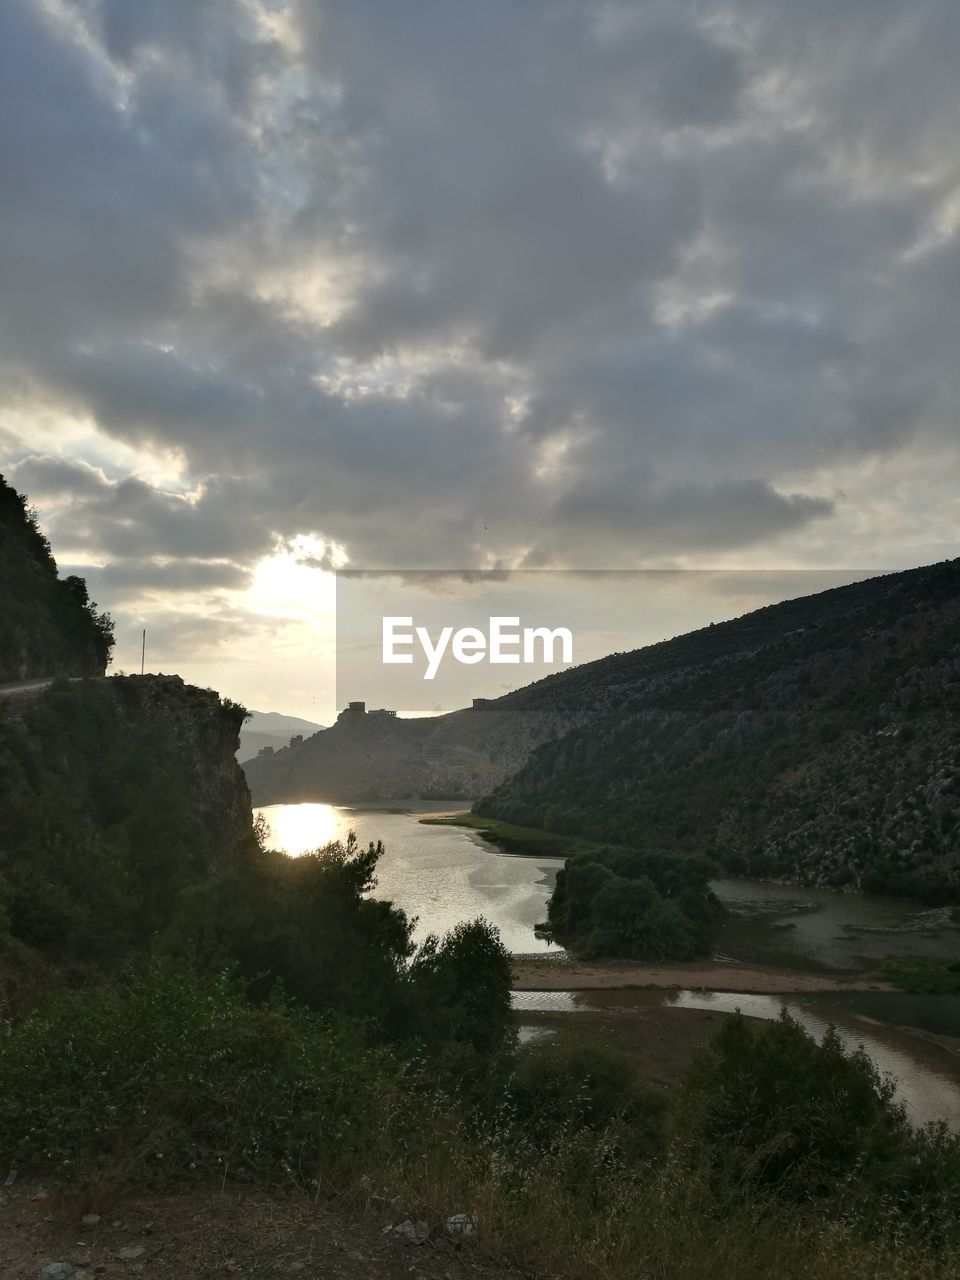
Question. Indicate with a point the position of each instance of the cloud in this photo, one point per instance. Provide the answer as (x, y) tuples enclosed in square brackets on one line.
[(478, 285)]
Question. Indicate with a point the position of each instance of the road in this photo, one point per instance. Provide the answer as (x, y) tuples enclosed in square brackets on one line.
[(23, 686)]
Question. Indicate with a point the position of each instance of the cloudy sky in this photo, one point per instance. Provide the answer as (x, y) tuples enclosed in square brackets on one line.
[(551, 283)]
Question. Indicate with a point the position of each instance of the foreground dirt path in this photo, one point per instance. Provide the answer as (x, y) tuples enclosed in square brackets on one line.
[(202, 1235), (532, 974)]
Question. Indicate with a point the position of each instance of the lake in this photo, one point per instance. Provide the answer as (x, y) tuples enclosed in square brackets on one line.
[(446, 874), (440, 875)]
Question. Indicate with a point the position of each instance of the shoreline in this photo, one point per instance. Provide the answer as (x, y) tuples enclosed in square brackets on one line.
[(554, 974)]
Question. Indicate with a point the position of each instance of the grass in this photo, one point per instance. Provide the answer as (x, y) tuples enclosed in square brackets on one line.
[(933, 977), (528, 842)]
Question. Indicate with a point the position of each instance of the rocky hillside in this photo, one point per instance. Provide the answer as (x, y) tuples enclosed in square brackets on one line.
[(48, 625), (116, 795), (817, 740), (374, 756)]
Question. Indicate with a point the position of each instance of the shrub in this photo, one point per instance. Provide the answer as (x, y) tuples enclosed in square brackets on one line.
[(558, 1087), (778, 1112)]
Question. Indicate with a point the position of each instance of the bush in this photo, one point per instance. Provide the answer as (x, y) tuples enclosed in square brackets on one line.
[(164, 1075), (623, 903), (309, 925), (809, 1122), (557, 1088)]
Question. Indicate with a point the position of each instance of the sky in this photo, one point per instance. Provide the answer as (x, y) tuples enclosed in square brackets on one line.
[(295, 286)]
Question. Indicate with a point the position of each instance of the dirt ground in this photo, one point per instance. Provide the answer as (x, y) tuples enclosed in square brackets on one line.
[(202, 1235), (548, 974)]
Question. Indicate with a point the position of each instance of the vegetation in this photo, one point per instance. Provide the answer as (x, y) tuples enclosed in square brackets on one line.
[(48, 625), (815, 740), (777, 1156), (624, 904), (936, 977), (523, 841)]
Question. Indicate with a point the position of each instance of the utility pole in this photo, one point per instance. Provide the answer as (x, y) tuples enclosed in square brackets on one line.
[(143, 649)]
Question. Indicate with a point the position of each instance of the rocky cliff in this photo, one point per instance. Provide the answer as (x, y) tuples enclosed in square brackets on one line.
[(117, 796)]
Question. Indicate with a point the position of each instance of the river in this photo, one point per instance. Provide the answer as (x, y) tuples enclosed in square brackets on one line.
[(442, 875)]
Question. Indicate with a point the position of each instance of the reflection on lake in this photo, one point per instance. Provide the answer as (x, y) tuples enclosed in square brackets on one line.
[(926, 1084), (441, 875)]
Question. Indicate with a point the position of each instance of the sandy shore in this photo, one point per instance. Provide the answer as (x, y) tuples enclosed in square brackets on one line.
[(531, 974)]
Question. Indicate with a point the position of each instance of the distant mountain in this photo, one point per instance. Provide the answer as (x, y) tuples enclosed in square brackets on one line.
[(48, 625), (273, 730), (816, 740)]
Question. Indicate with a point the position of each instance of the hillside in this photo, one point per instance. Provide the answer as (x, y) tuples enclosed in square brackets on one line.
[(817, 740), (48, 625), (459, 755), (116, 795)]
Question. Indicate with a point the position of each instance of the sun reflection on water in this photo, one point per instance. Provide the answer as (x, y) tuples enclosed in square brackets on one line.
[(300, 828)]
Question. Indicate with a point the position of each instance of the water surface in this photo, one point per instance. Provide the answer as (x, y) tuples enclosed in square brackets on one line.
[(440, 875)]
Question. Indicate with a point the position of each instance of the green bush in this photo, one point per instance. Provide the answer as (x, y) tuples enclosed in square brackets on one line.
[(563, 1088), (624, 903), (817, 1123), (166, 1075)]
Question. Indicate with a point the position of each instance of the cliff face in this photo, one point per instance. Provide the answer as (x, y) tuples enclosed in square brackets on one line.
[(48, 626), (102, 754), (117, 796), (203, 731)]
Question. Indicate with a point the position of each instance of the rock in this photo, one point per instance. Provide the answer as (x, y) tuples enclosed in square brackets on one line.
[(414, 1232), (90, 1220), (460, 1226), (57, 1271), (131, 1252)]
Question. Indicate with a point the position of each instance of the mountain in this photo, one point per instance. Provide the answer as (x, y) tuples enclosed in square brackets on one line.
[(374, 755), (273, 730), (48, 625), (816, 740)]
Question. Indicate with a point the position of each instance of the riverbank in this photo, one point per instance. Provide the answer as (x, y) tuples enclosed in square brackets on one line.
[(534, 973)]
